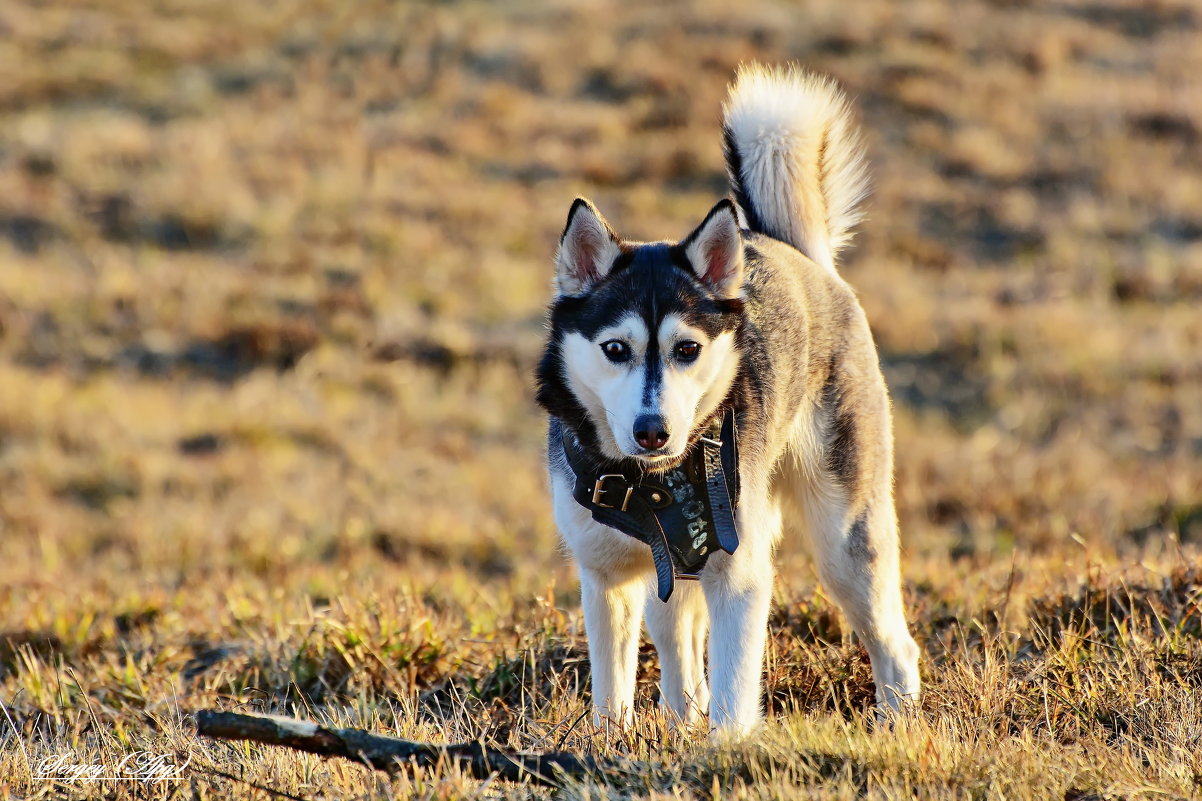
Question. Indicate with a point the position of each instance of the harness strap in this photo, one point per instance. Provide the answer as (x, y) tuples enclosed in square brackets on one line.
[(716, 461)]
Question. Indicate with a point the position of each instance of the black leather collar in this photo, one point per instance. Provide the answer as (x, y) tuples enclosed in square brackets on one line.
[(683, 514)]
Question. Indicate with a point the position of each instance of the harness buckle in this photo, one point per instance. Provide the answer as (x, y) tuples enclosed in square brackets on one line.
[(599, 490)]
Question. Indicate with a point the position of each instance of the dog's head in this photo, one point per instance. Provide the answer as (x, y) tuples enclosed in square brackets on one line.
[(643, 344)]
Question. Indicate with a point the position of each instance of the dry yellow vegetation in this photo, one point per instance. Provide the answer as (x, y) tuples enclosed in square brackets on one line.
[(271, 288)]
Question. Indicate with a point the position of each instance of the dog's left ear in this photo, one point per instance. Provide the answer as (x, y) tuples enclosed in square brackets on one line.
[(715, 250)]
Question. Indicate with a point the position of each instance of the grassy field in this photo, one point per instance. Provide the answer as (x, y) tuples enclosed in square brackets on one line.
[(272, 278)]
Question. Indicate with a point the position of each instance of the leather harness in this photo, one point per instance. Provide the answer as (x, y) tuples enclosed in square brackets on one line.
[(683, 514)]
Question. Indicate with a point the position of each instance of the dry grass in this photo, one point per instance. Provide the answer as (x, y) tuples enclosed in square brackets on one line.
[(271, 286)]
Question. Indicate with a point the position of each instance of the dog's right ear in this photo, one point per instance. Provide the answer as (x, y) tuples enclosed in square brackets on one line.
[(587, 249)]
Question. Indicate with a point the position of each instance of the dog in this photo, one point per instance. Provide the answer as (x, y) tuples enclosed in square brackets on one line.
[(652, 345)]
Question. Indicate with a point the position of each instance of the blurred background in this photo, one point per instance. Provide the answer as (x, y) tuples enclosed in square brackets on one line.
[(272, 281)]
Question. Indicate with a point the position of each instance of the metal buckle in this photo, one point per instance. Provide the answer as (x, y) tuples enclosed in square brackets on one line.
[(687, 576), (717, 443), (599, 490)]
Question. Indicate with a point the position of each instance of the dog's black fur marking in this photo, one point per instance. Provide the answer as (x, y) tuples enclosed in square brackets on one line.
[(653, 364), (734, 168), (841, 457), (858, 543)]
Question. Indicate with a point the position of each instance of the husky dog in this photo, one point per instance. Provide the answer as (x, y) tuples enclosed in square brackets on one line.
[(650, 343)]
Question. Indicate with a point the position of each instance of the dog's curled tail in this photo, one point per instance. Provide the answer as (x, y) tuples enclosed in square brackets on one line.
[(795, 158)]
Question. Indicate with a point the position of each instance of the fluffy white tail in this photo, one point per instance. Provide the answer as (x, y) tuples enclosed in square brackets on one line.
[(795, 158)]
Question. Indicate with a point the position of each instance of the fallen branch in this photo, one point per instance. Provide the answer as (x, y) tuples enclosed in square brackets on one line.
[(390, 754)]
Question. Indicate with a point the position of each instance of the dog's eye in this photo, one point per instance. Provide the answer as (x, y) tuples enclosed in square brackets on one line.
[(688, 351), (616, 350)]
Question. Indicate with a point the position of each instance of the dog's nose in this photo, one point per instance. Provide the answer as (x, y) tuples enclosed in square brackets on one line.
[(650, 432)]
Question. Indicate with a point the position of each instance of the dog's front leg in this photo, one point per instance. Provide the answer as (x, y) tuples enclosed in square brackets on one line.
[(612, 618), (738, 591), (678, 628)]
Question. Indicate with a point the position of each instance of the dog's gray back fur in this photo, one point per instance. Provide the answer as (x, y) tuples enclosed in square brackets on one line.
[(809, 357)]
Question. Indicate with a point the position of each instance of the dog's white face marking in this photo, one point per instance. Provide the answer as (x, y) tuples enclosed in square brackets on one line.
[(691, 391), (654, 378), (610, 392)]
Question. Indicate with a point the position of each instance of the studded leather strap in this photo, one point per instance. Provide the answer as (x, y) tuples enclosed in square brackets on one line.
[(716, 482)]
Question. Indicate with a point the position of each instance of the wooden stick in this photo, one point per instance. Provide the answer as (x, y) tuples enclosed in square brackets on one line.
[(390, 754)]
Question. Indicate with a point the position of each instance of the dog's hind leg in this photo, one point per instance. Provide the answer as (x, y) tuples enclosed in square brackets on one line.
[(857, 559), (678, 629), (858, 564)]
